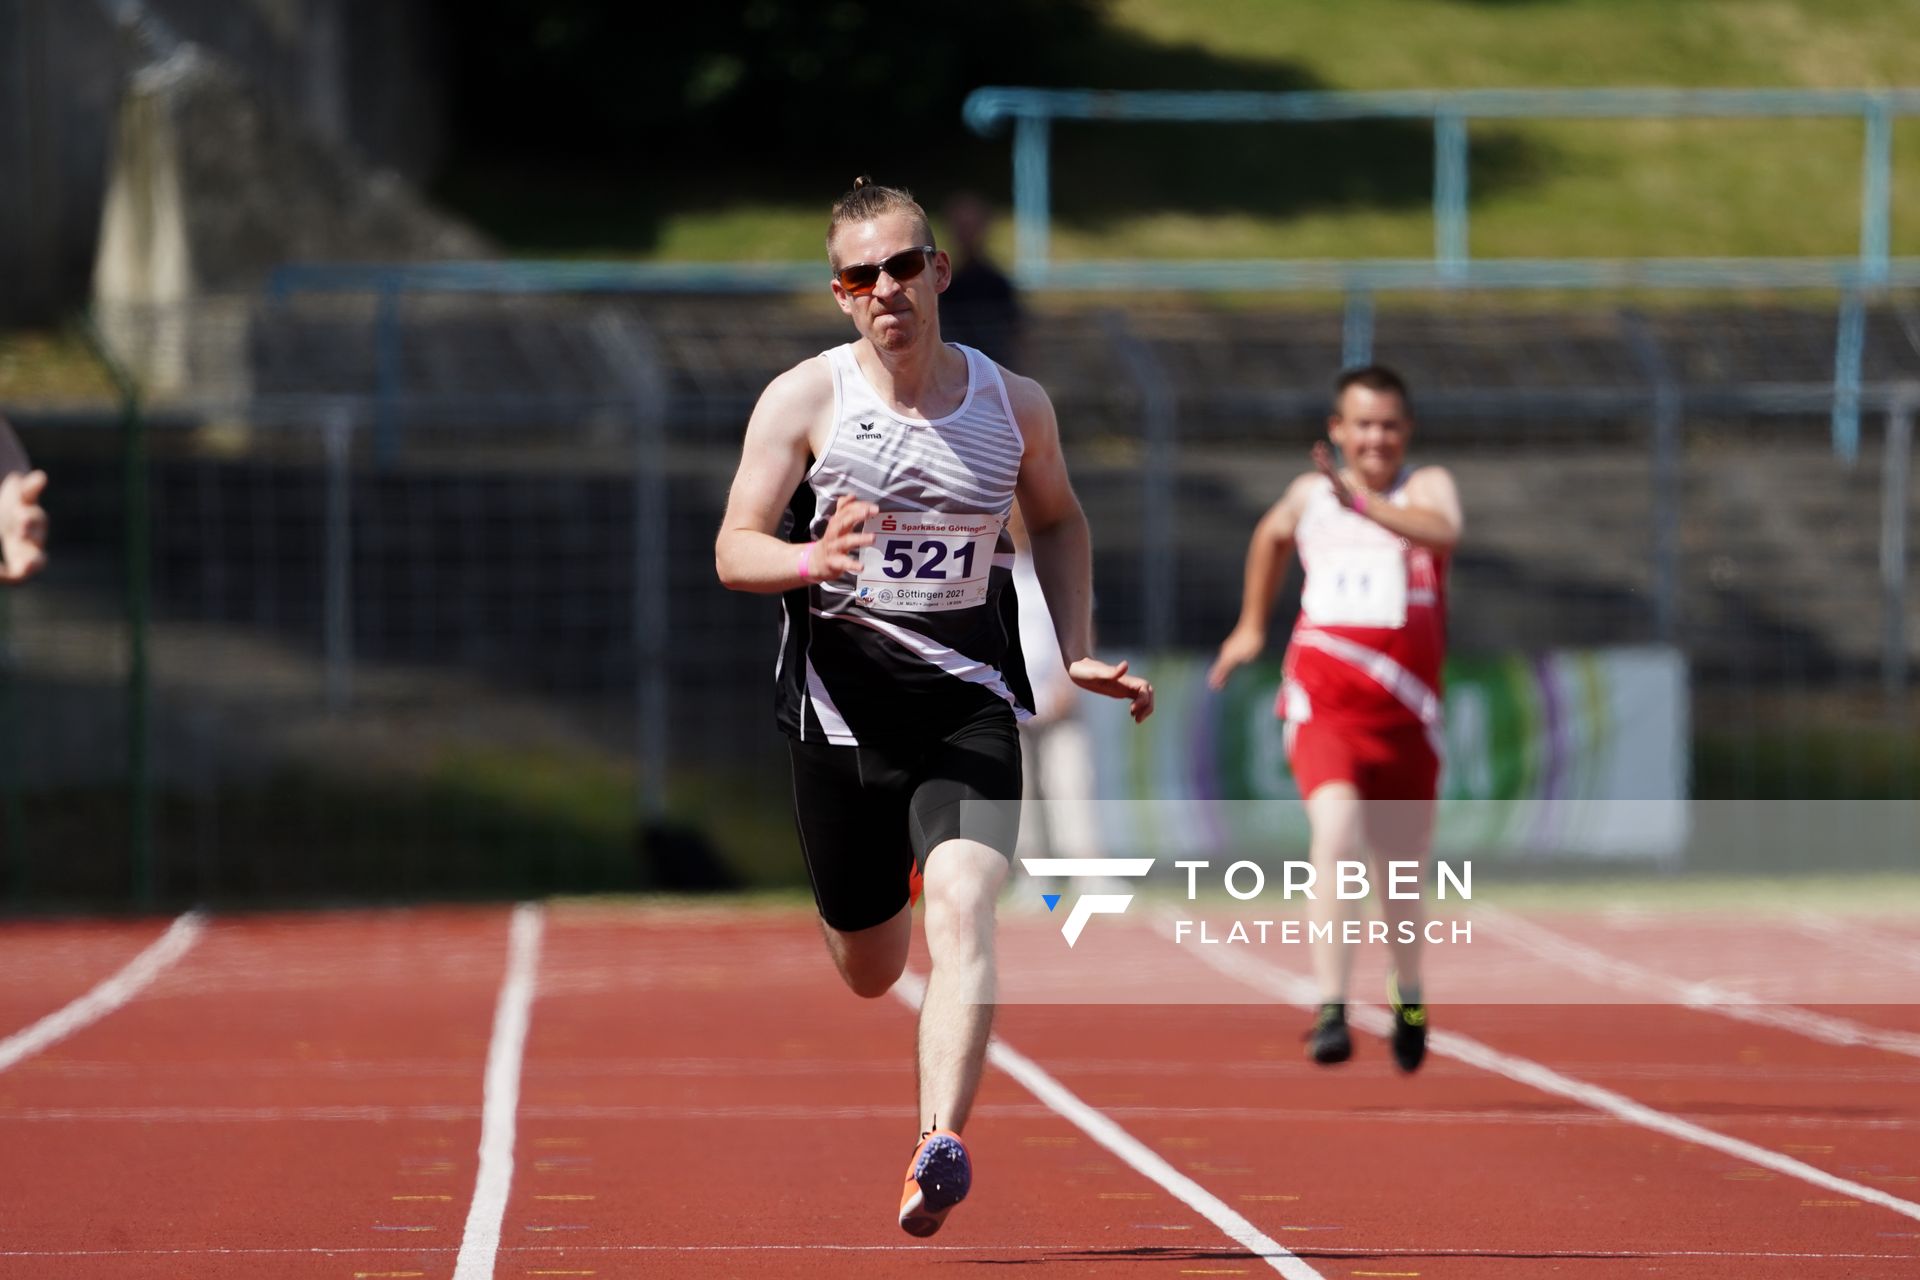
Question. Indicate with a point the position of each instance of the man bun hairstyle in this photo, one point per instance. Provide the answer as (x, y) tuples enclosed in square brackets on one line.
[(869, 200), (1374, 377)]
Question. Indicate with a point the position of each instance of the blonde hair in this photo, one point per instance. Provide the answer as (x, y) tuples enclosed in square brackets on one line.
[(869, 200)]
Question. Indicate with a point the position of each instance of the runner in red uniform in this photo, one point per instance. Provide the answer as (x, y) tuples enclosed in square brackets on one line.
[(1360, 692)]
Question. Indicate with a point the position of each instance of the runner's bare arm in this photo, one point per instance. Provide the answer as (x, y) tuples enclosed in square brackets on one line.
[(1431, 517), (1062, 549), (23, 523), (1267, 555), (748, 554)]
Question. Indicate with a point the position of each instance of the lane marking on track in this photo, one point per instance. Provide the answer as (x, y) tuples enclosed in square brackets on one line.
[(1706, 997), (1300, 992), (133, 978), (1861, 939), (1294, 1067), (1355, 1251), (904, 1113), (500, 1098), (912, 988)]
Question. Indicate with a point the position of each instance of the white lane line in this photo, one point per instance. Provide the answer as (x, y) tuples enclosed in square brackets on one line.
[(133, 978), (1860, 938), (1824, 1074), (1142, 1159), (1080, 1252), (1299, 991), (800, 1114), (1706, 997), (500, 1099)]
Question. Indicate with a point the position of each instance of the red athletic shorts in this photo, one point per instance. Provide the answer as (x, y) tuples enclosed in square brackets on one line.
[(1393, 763)]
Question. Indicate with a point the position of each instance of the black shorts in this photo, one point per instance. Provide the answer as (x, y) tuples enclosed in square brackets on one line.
[(868, 815)]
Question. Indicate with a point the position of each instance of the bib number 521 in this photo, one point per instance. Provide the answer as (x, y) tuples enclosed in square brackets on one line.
[(904, 558)]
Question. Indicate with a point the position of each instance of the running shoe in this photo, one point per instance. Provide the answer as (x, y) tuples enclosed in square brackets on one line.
[(1329, 1042), (937, 1179), (1409, 1039)]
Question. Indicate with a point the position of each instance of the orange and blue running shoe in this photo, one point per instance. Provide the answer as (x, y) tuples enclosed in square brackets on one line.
[(938, 1178)]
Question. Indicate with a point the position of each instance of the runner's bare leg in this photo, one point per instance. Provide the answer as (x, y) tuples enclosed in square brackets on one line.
[(1401, 831), (963, 879), (1333, 813), (871, 960)]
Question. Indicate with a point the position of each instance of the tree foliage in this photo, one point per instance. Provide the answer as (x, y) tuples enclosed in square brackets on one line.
[(748, 79)]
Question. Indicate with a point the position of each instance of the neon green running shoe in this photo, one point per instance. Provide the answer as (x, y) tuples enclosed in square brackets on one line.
[(1409, 1039), (1329, 1041)]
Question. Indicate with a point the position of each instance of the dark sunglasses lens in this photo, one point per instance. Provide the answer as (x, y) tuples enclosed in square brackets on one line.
[(860, 277), (905, 266)]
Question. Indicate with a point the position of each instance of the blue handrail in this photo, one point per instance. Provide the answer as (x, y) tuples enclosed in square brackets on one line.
[(1032, 111), (1452, 266)]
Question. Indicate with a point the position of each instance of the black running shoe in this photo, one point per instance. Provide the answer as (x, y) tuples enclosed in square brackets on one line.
[(1329, 1041), (1409, 1037)]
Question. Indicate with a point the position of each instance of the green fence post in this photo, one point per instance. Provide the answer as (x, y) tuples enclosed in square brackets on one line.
[(139, 561), (13, 827)]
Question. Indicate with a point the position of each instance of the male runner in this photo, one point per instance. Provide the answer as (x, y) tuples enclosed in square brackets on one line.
[(873, 494), (1360, 692), (23, 523)]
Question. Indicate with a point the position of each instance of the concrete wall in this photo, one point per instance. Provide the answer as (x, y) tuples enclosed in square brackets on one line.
[(59, 83), (364, 72)]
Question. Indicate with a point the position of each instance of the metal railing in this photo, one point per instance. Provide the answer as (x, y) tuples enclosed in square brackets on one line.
[(354, 647), (1033, 111)]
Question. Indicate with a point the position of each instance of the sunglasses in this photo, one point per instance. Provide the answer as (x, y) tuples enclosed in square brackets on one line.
[(861, 277)]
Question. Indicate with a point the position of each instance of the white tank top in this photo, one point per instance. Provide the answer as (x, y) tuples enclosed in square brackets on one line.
[(927, 631)]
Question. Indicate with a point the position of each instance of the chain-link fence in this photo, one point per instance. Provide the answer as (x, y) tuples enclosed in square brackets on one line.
[(412, 593)]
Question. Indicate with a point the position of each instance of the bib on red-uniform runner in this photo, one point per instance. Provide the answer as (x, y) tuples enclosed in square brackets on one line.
[(1357, 587), (927, 561)]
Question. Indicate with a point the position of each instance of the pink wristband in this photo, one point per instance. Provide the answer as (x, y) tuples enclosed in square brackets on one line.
[(1360, 502), (806, 562)]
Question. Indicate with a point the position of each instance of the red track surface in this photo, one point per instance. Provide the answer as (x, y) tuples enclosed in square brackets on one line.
[(301, 1096)]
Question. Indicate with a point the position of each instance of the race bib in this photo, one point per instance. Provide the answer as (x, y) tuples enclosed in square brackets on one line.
[(927, 561), (1357, 587)]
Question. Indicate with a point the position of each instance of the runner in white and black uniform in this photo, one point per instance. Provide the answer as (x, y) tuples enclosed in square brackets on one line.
[(913, 660), (873, 494), (927, 631)]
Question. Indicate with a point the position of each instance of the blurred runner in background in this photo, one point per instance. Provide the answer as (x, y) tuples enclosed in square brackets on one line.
[(1360, 690)]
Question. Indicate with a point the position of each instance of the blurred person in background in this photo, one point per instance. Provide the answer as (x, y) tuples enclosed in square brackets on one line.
[(23, 522), (1057, 817), (1360, 690), (873, 493), (981, 307)]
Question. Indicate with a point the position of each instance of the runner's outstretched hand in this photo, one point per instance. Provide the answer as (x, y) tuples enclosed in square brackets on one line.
[(838, 549), (23, 526), (1239, 648), (1323, 459), (1098, 677)]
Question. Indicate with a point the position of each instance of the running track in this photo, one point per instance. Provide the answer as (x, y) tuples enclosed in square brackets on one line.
[(689, 1093)]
